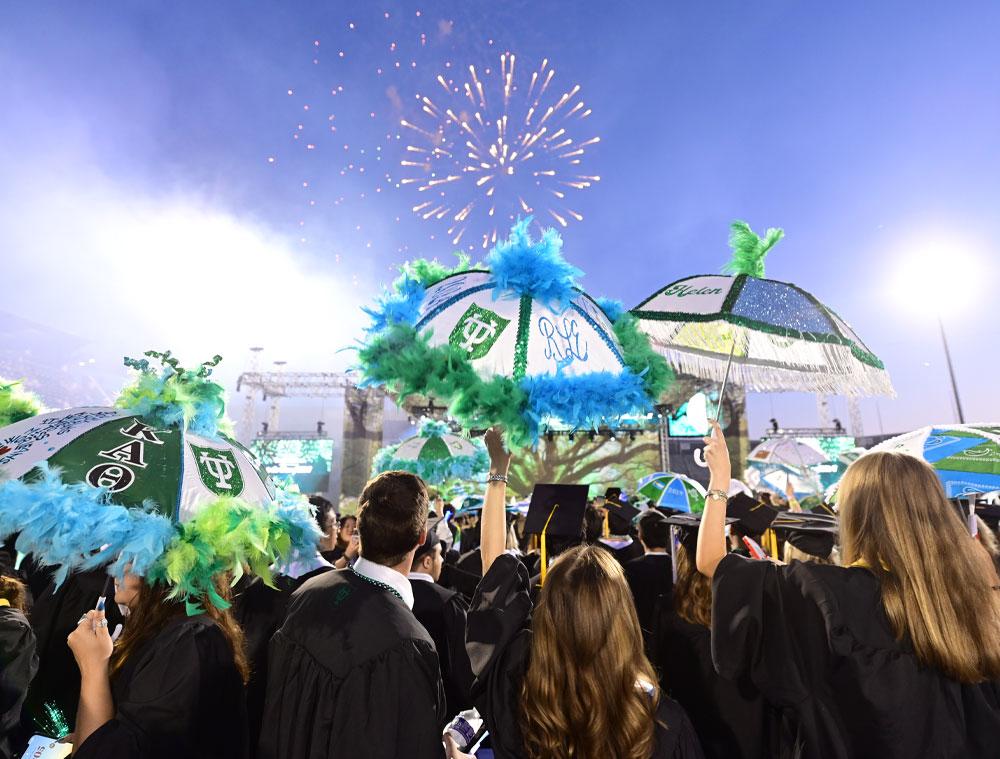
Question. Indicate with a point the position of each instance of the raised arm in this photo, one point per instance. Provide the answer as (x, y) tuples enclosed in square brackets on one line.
[(712, 535), (493, 524)]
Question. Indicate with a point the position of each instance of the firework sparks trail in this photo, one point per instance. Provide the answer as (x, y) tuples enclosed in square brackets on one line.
[(486, 148)]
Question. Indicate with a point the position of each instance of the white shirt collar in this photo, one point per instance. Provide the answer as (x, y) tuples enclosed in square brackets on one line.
[(421, 576), (656, 553), (386, 576)]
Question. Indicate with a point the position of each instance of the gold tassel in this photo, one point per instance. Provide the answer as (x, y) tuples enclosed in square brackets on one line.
[(545, 556)]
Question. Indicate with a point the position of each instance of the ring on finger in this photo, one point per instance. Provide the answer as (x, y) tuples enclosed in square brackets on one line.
[(103, 623)]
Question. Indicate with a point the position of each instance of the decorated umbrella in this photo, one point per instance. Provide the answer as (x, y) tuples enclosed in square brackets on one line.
[(673, 491), (966, 457), (436, 456), (515, 342), (155, 484), (786, 453), (764, 334)]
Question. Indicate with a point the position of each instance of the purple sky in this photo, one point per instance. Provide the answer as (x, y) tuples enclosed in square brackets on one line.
[(138, 207)]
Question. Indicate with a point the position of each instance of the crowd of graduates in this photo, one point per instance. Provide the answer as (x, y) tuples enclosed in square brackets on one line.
[(612, 631)]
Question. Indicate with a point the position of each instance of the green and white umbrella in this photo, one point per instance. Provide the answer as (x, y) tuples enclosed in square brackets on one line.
[(673, 491), (515, 343), (766, 335), (153, 484), (138, 462), (966, 457), (435, 455)]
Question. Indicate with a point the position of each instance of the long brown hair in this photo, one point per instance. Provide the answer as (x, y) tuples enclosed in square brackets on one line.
[(692, 591), (153, 610), (937, 584), (580, 696)]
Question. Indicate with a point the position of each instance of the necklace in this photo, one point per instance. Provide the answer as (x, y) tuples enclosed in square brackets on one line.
[(377, 584)]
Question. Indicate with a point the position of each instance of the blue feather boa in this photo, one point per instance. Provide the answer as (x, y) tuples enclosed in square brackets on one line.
[(75, 527), (582, 402), (536, 269), (472, 468)]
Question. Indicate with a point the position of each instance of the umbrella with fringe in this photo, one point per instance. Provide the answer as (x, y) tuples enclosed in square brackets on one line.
[(764, 334)]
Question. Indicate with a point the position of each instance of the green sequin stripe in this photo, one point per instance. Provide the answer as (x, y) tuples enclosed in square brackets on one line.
[(741, 321), (734, 293), (521, 342)]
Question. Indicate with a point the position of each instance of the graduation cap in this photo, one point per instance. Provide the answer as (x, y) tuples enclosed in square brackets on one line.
[(814, 534), (438, 533), (556, 510), (688, 525), (752, 517), (619, 513)]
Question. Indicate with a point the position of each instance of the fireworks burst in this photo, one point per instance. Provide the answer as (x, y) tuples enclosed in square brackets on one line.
[(497, 148)]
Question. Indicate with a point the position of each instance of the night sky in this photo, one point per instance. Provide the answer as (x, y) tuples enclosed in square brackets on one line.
[(158, 188)]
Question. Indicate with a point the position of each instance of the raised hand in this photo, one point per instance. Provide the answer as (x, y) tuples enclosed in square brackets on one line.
[(496, 447), (717, 456)]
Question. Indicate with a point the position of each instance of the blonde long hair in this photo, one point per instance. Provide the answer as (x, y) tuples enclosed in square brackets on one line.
[(580, 696), (937, 584)]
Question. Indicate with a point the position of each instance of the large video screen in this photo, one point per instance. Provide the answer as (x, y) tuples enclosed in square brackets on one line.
[(306, 462), (691, 418)]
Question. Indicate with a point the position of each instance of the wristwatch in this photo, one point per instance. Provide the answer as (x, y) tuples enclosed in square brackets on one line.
[(717, 495), (497, 478)]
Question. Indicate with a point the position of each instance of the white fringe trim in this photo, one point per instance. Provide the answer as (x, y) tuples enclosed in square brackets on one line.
[(763, 362)]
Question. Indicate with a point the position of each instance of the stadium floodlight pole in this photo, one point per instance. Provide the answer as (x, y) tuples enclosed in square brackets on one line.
[(951, 371)]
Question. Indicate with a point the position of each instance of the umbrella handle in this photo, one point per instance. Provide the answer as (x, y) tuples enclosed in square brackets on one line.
[(699, 458)]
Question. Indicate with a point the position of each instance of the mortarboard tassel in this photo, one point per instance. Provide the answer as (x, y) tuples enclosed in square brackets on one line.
[(545, 558)]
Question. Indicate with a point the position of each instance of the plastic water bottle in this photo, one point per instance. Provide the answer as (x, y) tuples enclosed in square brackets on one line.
[(463, 728)]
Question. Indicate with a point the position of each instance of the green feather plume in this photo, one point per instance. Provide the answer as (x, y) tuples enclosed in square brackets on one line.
[(749, 250), (428, 272), (16, 403)]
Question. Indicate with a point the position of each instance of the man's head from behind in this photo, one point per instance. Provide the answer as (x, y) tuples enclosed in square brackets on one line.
[(392, 517)]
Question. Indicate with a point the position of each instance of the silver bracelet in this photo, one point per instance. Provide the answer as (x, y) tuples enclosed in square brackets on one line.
[(717, 495), (497, 478)]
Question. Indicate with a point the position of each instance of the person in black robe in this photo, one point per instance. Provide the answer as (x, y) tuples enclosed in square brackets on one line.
[(442, 613), (352, 673), (728, 715), (54, 616), (260, 610), (817, 640), (500, 637), (176, 684), (18, 660), (650, 576)]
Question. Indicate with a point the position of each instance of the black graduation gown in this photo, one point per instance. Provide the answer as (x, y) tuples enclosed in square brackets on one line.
[(649, 578), (499, 645), (54, 616), (351, 674), (816, 641), (467, 572), (333, 554), (260, 611), (18, 664), (442, 613), (178, 695), (727, 715)]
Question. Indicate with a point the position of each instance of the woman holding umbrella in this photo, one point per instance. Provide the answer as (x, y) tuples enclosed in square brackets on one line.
[(173, 684), (896, 654)]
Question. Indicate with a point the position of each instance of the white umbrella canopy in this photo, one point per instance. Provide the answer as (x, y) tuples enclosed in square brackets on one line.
[(767, 334)]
